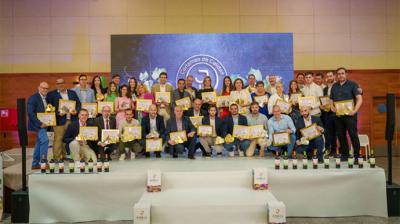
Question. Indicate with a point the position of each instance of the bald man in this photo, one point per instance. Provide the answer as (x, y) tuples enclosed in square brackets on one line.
[(154, 123), (37, 103)]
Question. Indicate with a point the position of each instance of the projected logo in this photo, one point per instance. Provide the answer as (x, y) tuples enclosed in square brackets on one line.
[(200, 66)]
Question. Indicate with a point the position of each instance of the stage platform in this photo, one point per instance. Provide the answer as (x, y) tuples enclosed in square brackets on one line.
[(111, 196)]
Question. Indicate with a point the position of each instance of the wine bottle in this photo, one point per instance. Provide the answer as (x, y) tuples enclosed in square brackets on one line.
[(277, 161), (360, 160), (372, 160), (82, 165), (61, 165), (315, 160), (106, 164), (326, 161), (52, 165), (99, 164), (350, 160), (305, 160), (285, 161), (90, 165), (71, 166), (43, 165), (294, 160)]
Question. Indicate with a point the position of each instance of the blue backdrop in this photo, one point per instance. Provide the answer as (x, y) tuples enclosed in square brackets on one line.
[(214, 55)]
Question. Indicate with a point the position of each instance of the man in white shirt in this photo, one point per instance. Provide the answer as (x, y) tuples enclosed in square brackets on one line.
[(251, 79), (216, 123), (319, 80), (128, 148), (271, 88), (85, 94), (312, 89)]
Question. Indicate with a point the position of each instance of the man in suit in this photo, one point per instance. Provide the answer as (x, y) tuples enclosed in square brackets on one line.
[(85, 94), (328, 117), (37, 104), (196, 109), (179, 93), (162, 86), (229, 122), (318, 142), (153, 127), (63, 119), (216, 123), (79, 148), (105, 121), (181, 123)]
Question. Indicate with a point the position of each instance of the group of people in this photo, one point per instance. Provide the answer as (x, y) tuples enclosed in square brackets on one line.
[(165, 117)]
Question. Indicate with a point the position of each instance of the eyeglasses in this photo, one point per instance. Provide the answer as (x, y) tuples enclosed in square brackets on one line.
[(82, 79)]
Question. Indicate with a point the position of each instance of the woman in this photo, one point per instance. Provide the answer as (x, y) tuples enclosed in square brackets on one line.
[(226, 91), (294, 93), (112, 92), (207, 87), (278, 95), (132, 84), (98, 90), (260, 91), (143, 93), (240, 96), (122, 103)]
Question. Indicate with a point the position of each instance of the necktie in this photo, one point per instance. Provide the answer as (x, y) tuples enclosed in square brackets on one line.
[(107, 124)]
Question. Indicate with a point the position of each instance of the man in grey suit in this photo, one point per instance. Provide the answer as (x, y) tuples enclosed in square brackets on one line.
[(85, 94), (179, 93)]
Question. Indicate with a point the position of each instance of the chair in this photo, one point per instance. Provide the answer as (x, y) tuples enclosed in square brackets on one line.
[(364, 142)]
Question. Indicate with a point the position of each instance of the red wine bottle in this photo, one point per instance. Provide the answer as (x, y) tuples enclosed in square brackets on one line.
[(277, 161), (61, 165), (43, 165), (82, 165), (294, 160), (106, 164), (99, 164)]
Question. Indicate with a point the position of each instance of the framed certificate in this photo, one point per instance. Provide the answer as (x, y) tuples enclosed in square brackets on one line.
[(143, 104), (325, 100), (284, 106), (178, 134), (261, 100), (196, 120), (204, 130), (88, 133), (154, 145), (48, 119), (163, 97), (310, 132), (66, 106), (257, 131), (110, 136), (243, 110), (102, 104), (185, 103), (241, 131), (91, 108), (280, 138), (209, 96), (294, 98), (344, 107), (223, 101), (307, 101), (132, 133)]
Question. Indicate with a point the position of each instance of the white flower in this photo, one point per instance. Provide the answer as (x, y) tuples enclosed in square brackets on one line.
[(156, 73), (256, 73), (143, 76), (149, 84)]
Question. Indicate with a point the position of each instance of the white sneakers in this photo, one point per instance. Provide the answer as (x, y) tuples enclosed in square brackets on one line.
[(122, 157), (241, 153), (231, 154), (133, 156)]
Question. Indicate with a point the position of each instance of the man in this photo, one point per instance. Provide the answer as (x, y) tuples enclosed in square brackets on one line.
[(162, 86), (271, 88), (252, 83), (300, 80), (328, 116), (216, 123), (130, 148), (189, 87), (180, 123), (85, 94), (281, 123), (319, 80), (316, 143), (116, 78), (153, 127), (79, 147), (196, 109), (345, 89), (313, 90), (37, 104), (63, 119), (229, 122), (105, 121), (179, 93), (260, 91), (257, 118)]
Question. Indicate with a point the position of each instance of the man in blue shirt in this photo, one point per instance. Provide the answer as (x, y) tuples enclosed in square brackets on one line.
[(281, 123)]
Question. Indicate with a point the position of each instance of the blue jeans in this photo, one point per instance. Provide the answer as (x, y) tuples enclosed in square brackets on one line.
[(289, 147), (42, 142), (242, 145), (317, 143)]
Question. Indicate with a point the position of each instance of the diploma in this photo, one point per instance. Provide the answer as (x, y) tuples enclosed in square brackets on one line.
[(344, 107), (241, 131), (307, 101), (310, 132), (163, 97), (143, 104), (280, 138), (88, 133), (48, 119), (66, 106), (91, 108), (257, 131), (261, 100), (196, 120), (154, 145), (223, 101), (209, 96), (132, 133), (325, 100), (185, 103), (204, 130), (294, 98), (178, 136), (102, 104), (243, 110), (283, 105), (110, 136)]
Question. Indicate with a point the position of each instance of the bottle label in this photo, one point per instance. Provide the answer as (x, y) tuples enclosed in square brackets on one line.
[(61, 165), (294, 162), (351, 161), (315, 161), (285, 162), (305, 162), (43, 166), (277, 162), (90, 165), (71, 166), (82, 165), (326, 161), (337, 161), (360, 160), (106, 164), (372, 161), (99, 164), (52, 166)]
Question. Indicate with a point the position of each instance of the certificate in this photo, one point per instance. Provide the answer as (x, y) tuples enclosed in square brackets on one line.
[(241, 131), (163, 97), (110, 136), (154, 145), (283, 105), (196, 120), (307, 101), (243, 110), (88, 133), (261, 100), (178, 135), (294, 98), (132, 133), (280, 138), (91, 108), (257, 131), (204, 130), (66, 106), (325, 100), (143, 104), (223, 101), (102, 104), (310, 132), (344, 107), (185, 103), (209, 96), (48, 119)]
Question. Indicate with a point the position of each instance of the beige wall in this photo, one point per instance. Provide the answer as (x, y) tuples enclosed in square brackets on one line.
[(74, 35)]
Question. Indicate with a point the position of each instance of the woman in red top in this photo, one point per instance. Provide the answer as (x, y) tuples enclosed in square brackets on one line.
[(227, 87)]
